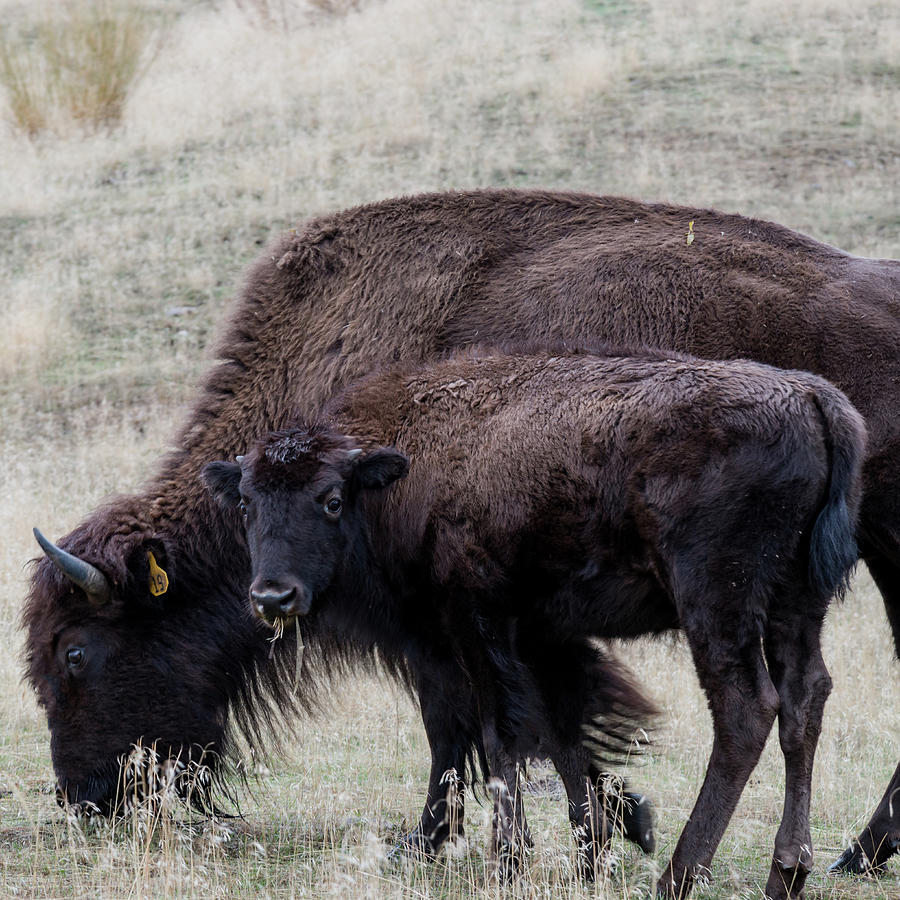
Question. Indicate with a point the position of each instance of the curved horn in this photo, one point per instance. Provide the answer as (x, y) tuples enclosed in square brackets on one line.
[(355, 453), (89, 578)]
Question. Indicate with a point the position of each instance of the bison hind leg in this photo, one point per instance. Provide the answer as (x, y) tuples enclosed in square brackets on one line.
[(599, 717), (792, 646)]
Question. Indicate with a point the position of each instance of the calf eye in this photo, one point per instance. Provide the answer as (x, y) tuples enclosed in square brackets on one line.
[(75, 657), (333, 507)]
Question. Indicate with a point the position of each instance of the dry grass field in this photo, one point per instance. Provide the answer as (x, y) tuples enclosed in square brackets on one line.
[(120, 249)]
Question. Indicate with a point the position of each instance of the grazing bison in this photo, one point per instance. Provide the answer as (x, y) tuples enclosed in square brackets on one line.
[(413, 278), (574, 496)]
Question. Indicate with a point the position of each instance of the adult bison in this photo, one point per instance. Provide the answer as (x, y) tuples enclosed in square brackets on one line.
[(576, 496), (412, 278)]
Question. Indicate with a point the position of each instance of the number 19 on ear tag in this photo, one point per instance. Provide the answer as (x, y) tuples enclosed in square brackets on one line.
[(159, 581)]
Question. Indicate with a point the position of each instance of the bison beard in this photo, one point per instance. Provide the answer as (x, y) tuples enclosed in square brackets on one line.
[(412, 278), (554, 499)]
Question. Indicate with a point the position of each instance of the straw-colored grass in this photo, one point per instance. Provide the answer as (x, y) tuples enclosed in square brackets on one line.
[(293, 15), (77, 63), (119, 252)]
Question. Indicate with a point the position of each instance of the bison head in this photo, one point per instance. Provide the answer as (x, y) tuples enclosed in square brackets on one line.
[(122, 650), (299, 495)]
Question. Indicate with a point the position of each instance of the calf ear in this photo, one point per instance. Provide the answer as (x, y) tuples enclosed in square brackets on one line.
[(380, 468), (222, 480)]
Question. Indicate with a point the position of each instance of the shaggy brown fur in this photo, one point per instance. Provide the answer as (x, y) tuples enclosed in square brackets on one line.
[(551, 498), (411, 278)]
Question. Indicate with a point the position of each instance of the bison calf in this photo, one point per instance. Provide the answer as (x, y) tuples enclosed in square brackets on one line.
[(570, 497)]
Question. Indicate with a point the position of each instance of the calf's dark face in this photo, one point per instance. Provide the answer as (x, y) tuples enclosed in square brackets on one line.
[(301, 519)]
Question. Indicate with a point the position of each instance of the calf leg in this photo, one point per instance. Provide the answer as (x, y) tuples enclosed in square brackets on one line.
[(510, 835), (451, 735), (744, 704), (803, 684), (880, 839), (499, 685), (592, 817)]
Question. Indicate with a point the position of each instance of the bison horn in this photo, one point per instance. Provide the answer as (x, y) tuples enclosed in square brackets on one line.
[(353, 454), (89, 578), (239, 459)]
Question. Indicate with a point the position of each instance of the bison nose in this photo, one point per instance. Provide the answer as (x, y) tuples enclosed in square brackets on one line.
[(273, 600)]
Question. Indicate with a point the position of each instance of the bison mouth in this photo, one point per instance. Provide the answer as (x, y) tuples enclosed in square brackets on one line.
[(143, 781)]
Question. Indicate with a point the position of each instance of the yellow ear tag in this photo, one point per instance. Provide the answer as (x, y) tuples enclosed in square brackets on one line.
[(159, 581)]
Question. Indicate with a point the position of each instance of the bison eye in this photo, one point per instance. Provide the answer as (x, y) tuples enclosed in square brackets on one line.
[(242, 508), (333, 507), (75, 657)]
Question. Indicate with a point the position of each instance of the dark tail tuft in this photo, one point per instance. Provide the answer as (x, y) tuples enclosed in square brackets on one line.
[(832, 550), (591, 698), (617, 716)]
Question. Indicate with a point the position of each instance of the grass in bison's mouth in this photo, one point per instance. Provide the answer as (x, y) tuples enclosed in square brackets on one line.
[(278, 627), (278, 631)]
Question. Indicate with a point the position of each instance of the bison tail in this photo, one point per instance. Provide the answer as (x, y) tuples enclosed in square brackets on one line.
[(832, 550), (588, 697), (617, 718)]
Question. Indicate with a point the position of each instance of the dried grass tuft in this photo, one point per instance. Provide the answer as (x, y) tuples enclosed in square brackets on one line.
[(79, 68)]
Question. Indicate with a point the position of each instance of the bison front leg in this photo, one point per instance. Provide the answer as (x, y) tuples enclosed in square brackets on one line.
[(574, 679), (510, 835), (803, 684), (744, 703), (591, 816), (880, 839), (451, 726)]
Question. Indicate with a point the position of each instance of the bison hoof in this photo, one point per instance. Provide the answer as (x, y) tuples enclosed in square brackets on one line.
[(637, 821), (853, 861), (786, 883), (414, 845), (509, 863)]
